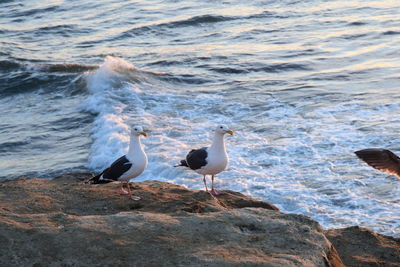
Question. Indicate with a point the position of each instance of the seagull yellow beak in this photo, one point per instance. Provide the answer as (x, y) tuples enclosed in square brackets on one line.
[(144, 134), (229, 132)]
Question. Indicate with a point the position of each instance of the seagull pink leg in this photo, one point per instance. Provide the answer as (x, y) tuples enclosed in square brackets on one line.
[(205, 183), (213, 191), (123, 191)]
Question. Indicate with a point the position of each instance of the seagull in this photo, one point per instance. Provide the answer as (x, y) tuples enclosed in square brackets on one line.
[(209, 160), (126, 167), (381, 159)]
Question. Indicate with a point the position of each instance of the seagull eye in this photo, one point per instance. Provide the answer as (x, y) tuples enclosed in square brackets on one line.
[(135, 129), (221, 127)]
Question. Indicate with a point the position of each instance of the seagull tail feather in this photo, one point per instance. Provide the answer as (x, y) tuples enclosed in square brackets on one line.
[(183, 163), (98, 180), (94, 179)]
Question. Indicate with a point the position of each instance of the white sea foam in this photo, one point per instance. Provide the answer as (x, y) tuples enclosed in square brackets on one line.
[(298, 158)]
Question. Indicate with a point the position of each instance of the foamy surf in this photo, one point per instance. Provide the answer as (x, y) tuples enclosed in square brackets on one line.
[(296, 158)]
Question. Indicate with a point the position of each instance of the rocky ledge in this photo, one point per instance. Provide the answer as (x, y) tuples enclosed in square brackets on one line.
[(65, 222)]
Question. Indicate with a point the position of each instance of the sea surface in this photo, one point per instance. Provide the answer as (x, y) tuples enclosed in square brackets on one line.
[(303, 84)]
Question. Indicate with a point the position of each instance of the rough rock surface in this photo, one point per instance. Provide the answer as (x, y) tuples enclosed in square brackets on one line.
[(65, 222), (359, 246)]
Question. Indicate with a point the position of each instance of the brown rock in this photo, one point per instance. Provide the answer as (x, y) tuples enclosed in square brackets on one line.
[(64, 222), (69, 194), (359, 246)]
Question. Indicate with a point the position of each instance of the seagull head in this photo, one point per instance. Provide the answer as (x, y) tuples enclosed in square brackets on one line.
[(138, 131), (222, 129)]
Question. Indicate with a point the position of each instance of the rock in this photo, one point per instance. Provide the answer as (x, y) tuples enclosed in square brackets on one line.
[(68, 193), (359, 246), (65, 222)]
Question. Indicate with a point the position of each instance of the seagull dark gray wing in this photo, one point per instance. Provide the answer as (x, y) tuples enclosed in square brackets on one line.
[(381, 159), (196, 158), (117, 169)]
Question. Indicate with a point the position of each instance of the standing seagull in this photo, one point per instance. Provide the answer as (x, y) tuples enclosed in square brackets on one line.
[(126, 167), (381, 159), (209, 160)]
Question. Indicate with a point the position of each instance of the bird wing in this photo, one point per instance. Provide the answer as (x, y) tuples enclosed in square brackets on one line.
[(381, 159), (117, 169), (196, 158)]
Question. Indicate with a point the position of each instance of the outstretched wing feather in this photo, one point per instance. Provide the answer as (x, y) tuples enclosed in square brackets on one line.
[(381, 159)]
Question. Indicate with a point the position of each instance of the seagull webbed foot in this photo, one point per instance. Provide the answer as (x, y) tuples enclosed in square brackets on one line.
[(123, 192)]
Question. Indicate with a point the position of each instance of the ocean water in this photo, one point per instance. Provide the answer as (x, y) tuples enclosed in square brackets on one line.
[(303, 84)]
